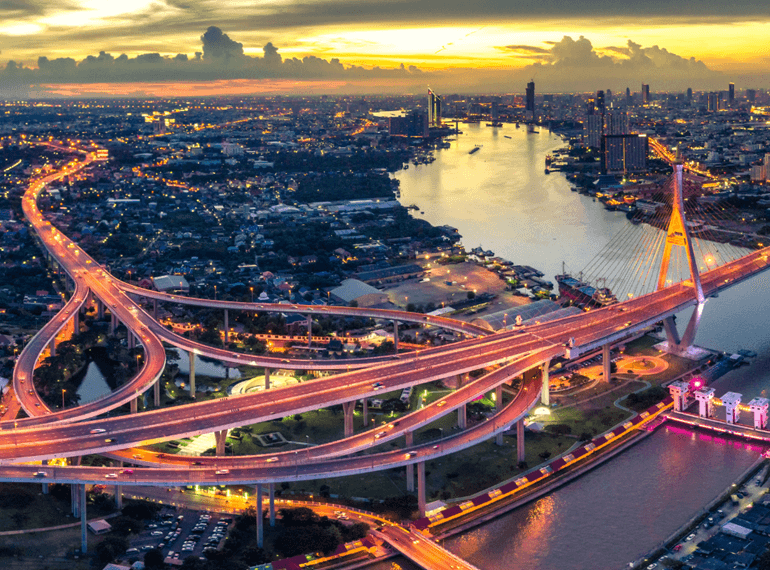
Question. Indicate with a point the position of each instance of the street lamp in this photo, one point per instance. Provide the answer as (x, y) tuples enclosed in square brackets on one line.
[(62, 398), (252, 293), (215, 292)]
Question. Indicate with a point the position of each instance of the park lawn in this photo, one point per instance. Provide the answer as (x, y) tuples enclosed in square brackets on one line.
[(461, 474)]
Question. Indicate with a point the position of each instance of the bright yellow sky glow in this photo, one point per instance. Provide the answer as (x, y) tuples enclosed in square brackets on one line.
[(391, 33)]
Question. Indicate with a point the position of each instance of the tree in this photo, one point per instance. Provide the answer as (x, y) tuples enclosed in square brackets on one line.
[(110, 548), (153, 559)]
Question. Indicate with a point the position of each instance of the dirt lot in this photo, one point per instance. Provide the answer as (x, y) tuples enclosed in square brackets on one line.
[(466, 276)]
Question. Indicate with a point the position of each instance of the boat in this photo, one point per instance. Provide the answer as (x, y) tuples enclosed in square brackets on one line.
[(580, 292), (506, 136), (475, 149)]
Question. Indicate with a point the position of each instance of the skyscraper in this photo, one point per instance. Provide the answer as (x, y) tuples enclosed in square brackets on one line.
[(731, 94), (629, 101), (689, 94), (751, 95), (624, 153), (645, 94), (608, 97), (530, 99), (600, 102), (713, 102), (434, 109)]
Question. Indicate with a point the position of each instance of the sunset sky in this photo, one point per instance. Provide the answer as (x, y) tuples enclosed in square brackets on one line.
[(333, 45)]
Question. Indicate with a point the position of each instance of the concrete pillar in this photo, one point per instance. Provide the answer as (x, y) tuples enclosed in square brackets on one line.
[(679, 390), (52, 346), (221, 439), (267, 378), (395, 335), (458, 381), (421, 487), (45, 485), (99, 309), (83, 527), (271, 492), (705, 397), (130, 339), (732, 401), (348, 408), (155, 309), (227, 326), (520, 451), (409, 468), (260, 520), (545, 392), (156, 393), (309, 330), (76, 321), (118, 489), (607, 361), (75, 499), (462, 417), (134, 405), (759, 407), (365, 408), (113, 323), (191, 358), (498, 408)]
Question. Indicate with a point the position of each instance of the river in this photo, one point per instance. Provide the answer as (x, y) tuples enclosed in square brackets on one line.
[(501, 199)]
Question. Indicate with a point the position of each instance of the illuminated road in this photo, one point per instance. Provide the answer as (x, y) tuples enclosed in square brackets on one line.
[(421, 549), (33, 439)]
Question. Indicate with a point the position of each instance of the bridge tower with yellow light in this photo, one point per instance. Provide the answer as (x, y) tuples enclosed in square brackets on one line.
[(678, 236)]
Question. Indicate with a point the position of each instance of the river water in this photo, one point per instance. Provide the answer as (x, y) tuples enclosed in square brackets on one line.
[(501, 199)]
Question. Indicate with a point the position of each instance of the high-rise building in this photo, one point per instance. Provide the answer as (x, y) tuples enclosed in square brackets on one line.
[(434, 109), (413, 124), (608, 96), (629, 100), (731, 94), (645, 94), (616, 123), (600, 107), (624, 153), (689, 94), (713, 102), (530, 99), (751, 95), (594, 127)]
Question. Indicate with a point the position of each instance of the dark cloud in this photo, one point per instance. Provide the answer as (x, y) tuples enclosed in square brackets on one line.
[(576, 65), (29, 8), (524, 49), (217, 45), (221, 58)]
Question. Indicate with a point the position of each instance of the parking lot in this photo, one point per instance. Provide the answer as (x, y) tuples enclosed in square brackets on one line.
[(180, 533)]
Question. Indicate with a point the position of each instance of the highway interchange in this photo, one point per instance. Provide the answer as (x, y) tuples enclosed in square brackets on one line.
[(48, 434)]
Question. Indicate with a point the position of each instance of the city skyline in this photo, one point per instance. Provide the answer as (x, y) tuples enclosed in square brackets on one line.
[(148, 49)]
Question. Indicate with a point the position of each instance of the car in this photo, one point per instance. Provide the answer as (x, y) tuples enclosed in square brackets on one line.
[(435, 447), (146, 547), (690, 537), (132, 551), (653, 565), (110, 440), (441, 403), (222, 471), (156, 533), (677, 548), (380, 434), (415, 541), (377, 385), (111, 476), (272, 460), (410, 454), (40, 474), (197, 462)]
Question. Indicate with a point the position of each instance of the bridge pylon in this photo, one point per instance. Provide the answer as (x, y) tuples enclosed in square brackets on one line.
[(677, 235)]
